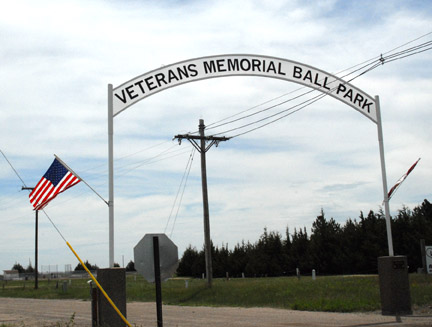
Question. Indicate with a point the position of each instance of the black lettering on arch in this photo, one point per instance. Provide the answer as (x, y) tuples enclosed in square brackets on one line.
[(160, 78)]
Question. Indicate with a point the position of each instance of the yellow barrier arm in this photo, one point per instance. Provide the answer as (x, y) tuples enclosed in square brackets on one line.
[(99, 286)]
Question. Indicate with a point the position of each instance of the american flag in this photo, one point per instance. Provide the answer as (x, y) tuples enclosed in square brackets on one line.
[(56, 180)]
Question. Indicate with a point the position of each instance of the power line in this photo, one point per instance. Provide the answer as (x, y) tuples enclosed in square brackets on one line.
[(414, 48), (181, 197), (409, 54), (283, 102), (373, 65), (185, 175), (217, 123), (145, 149), (261, 111), (152, 160), (299, 107), (363, 64), (306, 103), (146, 160)]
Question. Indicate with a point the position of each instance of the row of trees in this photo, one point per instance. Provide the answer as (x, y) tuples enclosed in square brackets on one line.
[(331, 248), (79, 267), (130, 266)]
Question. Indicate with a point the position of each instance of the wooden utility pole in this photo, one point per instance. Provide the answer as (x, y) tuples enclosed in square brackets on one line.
[(203, 148)]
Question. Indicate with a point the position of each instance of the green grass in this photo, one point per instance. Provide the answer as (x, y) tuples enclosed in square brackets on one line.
[(335, 293)]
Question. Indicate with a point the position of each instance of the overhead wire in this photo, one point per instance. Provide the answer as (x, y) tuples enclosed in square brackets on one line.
[(181, 197), (184, 179), (142, 150), (284, 102), (153, 160), (291, 110), (211, 125), (375, 58), (408, 55), (144, 161), (91, 169), (414, 48), (367, 66)]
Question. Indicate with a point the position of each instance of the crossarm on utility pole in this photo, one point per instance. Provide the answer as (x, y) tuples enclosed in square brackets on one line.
[(191, 138)]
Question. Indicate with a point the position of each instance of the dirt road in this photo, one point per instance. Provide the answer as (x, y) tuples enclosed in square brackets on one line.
[(31, 312)]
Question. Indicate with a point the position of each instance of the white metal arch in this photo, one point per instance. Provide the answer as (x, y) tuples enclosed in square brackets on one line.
[(138, 88)]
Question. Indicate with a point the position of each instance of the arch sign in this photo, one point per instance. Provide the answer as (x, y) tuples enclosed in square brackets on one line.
[(197, 69), (138, 88)]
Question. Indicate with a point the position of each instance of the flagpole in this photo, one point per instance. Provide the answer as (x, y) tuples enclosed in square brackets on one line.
[(111, 174), (384, 178), (77, 176)]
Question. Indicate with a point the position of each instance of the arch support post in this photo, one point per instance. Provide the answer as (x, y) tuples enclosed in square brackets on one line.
[(111, 174), (384, 178)]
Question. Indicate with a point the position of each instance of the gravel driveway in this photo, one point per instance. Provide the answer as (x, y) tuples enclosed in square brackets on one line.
[(33, 312)]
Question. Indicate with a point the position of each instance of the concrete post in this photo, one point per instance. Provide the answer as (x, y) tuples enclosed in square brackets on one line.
[(394, 285), (113, 281)]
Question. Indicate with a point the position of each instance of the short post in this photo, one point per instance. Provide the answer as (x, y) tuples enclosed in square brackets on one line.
[(298, 273), (65, 287), (313, 274), (157, 280), (94, 305), (113, 281)]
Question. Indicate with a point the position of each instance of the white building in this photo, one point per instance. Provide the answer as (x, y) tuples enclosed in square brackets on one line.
[(10, 274)]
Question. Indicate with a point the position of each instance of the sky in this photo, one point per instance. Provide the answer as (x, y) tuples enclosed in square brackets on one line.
[(58, 57)]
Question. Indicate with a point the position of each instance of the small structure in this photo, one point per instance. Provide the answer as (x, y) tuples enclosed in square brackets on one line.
[(11, 275)]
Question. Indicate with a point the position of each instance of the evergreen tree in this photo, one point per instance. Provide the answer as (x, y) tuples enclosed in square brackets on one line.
[(325, 245), (374, 242), (238, 259), (300, 250), (288, 265), (221, 261), (350, 244)]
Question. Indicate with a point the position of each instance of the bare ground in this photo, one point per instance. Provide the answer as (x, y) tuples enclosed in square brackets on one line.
[(33, 312)]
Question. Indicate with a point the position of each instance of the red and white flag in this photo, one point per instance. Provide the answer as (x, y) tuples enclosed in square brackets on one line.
[(404, 176), (57, 179)]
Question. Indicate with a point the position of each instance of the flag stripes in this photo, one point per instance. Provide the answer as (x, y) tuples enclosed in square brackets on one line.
[(404, 176), (56, 180)]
